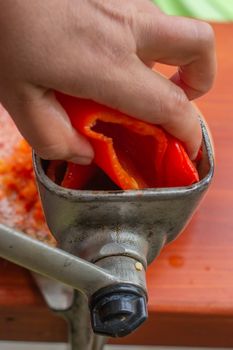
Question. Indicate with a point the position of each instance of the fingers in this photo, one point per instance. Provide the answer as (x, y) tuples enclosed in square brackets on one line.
[(141, 93), (45, 125), (186, 43)]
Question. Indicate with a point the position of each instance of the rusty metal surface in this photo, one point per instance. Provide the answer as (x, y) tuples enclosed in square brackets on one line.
[(97, 224)]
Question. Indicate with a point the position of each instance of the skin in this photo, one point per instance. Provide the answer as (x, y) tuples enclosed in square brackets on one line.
[(100, 50)]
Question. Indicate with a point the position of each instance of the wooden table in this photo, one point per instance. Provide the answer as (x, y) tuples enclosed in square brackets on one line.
[(191, 283)]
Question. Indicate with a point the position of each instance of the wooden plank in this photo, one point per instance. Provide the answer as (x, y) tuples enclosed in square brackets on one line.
[(190, 284)]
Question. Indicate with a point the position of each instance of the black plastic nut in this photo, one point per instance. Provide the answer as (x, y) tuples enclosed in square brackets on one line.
[(118, 310)]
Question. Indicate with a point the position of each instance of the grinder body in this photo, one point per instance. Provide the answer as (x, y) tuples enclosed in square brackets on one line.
[(119, 231)]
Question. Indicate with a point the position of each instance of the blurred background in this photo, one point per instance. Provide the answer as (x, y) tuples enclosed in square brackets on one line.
[(211, 10)]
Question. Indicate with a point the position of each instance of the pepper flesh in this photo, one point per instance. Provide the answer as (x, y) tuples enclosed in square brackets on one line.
[(134, 154)]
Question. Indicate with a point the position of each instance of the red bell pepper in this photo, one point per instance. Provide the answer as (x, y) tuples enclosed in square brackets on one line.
[(134, 154)]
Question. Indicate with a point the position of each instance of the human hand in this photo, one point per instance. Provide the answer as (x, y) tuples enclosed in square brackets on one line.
[(100, 50)]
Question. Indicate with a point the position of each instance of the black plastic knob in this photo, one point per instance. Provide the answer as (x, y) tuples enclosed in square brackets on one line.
[(118, 310)]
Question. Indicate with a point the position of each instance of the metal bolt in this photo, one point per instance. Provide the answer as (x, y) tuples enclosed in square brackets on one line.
[(138, 266)]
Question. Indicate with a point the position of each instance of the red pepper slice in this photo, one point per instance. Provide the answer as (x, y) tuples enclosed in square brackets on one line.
[(134, 154), (77, 176), (178, 169), (70, 175)]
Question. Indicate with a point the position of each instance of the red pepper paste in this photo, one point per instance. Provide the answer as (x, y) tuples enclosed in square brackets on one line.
[(19, 200)]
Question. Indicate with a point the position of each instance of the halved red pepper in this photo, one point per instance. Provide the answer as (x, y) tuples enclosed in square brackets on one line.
[(134, 154)]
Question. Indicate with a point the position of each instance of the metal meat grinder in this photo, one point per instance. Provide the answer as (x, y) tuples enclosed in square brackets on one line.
[(106, 240)]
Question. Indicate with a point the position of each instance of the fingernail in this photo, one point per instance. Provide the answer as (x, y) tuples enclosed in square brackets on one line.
[(81, 160), (84, 148)]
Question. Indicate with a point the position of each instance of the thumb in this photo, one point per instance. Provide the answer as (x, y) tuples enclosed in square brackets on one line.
[(46, 126)]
